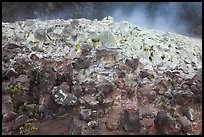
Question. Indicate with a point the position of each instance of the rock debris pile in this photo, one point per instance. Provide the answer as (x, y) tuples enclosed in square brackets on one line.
[(87, 77)]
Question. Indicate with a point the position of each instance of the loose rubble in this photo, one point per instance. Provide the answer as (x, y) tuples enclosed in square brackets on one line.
[(78, 76)]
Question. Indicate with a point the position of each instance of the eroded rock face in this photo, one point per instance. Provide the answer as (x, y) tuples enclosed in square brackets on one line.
[(122, 80)]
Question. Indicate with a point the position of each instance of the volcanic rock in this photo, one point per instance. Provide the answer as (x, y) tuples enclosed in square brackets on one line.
[(165, 125), (130, 120), (7, 104)]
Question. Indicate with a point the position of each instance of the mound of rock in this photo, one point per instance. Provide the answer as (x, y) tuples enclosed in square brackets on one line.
[(99, 77)]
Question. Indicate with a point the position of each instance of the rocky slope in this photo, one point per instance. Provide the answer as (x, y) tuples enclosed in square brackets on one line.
[(80, 76)]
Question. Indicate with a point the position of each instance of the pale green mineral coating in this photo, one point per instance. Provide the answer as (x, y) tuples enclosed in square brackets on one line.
[(168, 49)]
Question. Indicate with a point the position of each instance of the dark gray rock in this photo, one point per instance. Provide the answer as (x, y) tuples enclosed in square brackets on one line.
[(189, 113), (11, 46), (144, 74), (133, 63), (85, 114), (75, 126), (7, 104), (19, 121), (130, 120), (90, 87), (85, 49), (93, 124), (106, 88), (70, 100), (10, 73), (22, 65), (91, 101), (24, 81), (104, 54), (194, 88), (80, 63), (77, 90), (47, 81), (34, 57), (166, 125), (185, 123)]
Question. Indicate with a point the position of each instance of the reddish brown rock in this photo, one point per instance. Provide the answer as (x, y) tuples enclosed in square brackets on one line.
[(112, 124), (148, 122)]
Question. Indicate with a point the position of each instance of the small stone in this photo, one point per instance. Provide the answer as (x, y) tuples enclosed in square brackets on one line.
[(168, 95), (12, 46), (106, 88), (76, 89), (80, 63), (107, 38), (74, 23), (111, 124), (36, 48), (121, 74), (86, 48), (161, 92), (148, 122), (34, 57), (133, 63), (90, 87), (40, 36), (70, 100), (91, 101), (152, 96), (85, 114), (93, 124), (194, 88), (144, 74)]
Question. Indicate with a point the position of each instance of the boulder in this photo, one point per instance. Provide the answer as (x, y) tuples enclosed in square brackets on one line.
[(166, 125), (62, 96), (130, 120)]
